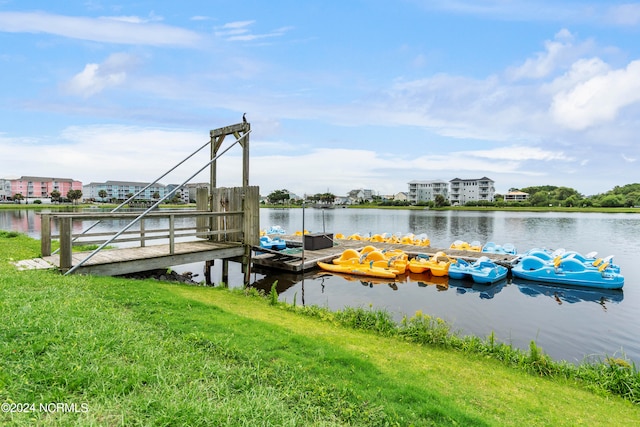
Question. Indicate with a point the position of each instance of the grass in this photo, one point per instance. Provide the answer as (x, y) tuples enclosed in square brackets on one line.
[(149, 353)]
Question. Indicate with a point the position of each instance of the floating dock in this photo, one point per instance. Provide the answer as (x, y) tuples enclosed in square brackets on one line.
[(291, 259)]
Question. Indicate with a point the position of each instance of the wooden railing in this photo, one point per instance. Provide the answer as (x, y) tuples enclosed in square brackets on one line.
[(226, 215), (140, 234)]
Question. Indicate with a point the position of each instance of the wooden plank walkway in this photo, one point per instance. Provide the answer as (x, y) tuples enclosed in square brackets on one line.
[(111, 262), (293, 261)]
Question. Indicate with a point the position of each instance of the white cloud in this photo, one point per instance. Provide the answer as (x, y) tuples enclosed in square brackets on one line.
[(134, 19), (520, 153), (94, 78), (240, 31), (133, 31), (545, 63), (598, 99)]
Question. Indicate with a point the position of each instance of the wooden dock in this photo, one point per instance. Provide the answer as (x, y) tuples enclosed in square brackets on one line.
[(153, 239), (292, 260), (112, 262)]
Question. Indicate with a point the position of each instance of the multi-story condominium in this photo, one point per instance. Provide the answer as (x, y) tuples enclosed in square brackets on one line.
[(189, 191), (36, 187), (426, 191), (471, 190), (121, 190)]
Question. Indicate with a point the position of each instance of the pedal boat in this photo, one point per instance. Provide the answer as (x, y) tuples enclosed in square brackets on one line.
[(483, 270), (568, 271)]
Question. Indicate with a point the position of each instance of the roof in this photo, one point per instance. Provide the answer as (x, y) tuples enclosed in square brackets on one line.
[(43, 179), (484, 178)]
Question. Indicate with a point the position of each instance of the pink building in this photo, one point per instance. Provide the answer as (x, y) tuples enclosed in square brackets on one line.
[(35, 187)]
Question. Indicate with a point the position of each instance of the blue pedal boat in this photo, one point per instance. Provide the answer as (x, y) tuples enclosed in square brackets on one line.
[(569, 270), (483, 270), (493, 248), (275, 243)]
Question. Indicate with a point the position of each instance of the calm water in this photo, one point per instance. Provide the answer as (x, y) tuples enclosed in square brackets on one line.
[(568, 324)]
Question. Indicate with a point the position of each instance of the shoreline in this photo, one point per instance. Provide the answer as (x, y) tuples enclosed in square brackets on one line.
[(544, 209)]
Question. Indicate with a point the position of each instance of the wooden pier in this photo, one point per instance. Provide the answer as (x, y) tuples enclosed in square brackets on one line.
[(159, 240), (111, 262), (293, 261)]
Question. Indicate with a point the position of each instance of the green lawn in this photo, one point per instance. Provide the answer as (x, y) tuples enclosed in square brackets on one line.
[(124, 352)]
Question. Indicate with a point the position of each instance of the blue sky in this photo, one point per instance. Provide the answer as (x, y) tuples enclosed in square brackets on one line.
[(340, 95)]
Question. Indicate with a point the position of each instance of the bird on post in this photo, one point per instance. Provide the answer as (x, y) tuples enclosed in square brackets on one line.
[(244, 118)]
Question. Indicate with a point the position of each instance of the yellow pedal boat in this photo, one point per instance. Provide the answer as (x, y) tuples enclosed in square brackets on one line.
[(438, 264), (367, 269)]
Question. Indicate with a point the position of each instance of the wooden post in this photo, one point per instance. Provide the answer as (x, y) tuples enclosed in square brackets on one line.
[(142, 233), (45, 234), (225, 272), (245, 156), (207, 272), (172, 243), (202, 204), (66, 245), (246, 264)]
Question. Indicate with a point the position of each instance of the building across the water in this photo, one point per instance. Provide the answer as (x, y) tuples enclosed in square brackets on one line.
[(426, 191), (457, 191), (122, 190), (33, 188), (516, 196), (471, 190)]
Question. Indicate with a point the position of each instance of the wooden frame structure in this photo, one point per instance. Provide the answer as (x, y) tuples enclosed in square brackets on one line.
[(227, 226)]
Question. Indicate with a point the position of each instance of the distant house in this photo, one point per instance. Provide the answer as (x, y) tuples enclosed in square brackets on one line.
[(516, 196), (402, 196), (360, 195), (342, 200)]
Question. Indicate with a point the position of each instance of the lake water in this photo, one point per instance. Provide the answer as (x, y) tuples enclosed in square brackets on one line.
[(568, 324)]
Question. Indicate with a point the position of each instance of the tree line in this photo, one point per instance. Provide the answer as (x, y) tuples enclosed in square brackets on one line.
[(72, 196), (538, 196), (548, 195)]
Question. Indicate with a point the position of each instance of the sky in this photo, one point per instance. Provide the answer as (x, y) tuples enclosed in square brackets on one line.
[(341, 95)]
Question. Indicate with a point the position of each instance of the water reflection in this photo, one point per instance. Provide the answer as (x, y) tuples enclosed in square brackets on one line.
[(488, 291), (571, 295)]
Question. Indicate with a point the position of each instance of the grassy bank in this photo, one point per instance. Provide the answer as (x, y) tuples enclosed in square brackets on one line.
[(123, 352)]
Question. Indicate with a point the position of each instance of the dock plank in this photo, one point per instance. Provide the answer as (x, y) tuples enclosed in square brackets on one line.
[(128, 260), (33, 264)]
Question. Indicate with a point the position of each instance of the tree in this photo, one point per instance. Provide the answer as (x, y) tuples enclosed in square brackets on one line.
[(540, 198), (326, 197), (278, 196), (74, 195), (612, 201), (55, 195), (102, 194), (17, 197), (440, 201)]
